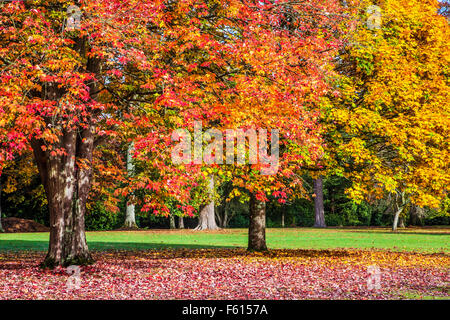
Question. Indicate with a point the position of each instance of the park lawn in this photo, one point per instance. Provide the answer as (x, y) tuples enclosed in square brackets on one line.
[(426, 240)]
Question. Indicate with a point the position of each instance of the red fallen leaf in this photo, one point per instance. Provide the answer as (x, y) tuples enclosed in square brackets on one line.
[(228, 274)]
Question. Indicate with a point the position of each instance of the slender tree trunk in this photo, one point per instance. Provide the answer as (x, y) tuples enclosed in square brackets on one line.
[(257, 226), (180, 223), (396, 217), (318, 204), (225, 218), (219, 217), (130, 216), (399, 210), (207, 217), (172, 222), (282, 219), (401, 222)]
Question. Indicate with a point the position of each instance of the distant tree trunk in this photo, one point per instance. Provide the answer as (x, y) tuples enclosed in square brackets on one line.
[(282, 219), (401, 222), (1, 227), (416, 214), (399, 210), (130, 216), (225, 218), (318, 204), (219, 217), (257, 226), (396, 217), (180, 223), (207, 217), (222, 217), (172, 221)]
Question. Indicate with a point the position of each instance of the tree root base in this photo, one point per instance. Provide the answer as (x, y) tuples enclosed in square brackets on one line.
[(132, 226), (263, 249), (79, 260), (200, 228)]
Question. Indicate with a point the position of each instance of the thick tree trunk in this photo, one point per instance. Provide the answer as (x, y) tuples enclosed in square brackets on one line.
[(130, 216), (257, 226), (67, 186), (180, 223), (207, 217), (172, 222), (318, 204), (67, 177)]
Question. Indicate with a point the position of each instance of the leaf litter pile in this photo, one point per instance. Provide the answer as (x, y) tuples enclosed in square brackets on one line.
[(231, 274)]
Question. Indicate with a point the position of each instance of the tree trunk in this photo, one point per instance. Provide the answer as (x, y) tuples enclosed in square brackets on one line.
[(401, 222), (225, 218), (180, 223), (172, 222), (396, 217), (257, 226), (67, 186), (219, 217), (130, 216), (399, 210), (318, 204), (416, 214), (207, 217), (67, 177), (282, 219)]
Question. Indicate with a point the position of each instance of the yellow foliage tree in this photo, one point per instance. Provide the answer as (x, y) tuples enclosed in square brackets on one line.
[(388, 125)]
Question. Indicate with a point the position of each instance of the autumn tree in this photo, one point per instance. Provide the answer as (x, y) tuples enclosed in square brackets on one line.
[(388, 127), (281, 91), (63, 90)]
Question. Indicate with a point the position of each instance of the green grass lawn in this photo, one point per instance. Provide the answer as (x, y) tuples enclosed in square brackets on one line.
[(418, 239)]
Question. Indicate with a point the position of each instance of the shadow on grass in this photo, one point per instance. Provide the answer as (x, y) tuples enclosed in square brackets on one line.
[(169, 250), (37, 245)]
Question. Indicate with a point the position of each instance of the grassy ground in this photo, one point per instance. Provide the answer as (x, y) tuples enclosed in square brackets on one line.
[(418, 239)]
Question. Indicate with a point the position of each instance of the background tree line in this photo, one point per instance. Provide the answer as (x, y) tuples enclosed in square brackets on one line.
[(23, 197)]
